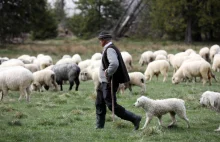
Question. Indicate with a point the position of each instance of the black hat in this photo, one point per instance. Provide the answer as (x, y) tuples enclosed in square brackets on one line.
[(104, 35)]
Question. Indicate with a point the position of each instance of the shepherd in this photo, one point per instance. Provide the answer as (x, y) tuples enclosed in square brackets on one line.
[(112, 72)]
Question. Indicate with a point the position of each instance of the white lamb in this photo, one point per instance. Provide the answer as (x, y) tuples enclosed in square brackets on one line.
[(146, 58), (84, 64), (77, 59), (66, 56), (96, 56), (161, 57), (136, 79), (127, 58), (157, 67), (160, 107), (160, 52), (65, 61), (43, 61), (16, 79), (211, 99), (216, 63), (204, 53), (198, 68), (46, 78), (215, 49)]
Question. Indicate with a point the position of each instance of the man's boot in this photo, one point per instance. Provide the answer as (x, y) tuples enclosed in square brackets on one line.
[(100, 122), (135, 119)]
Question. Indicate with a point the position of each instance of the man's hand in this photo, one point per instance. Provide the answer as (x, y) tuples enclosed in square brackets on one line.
[(106, 73)]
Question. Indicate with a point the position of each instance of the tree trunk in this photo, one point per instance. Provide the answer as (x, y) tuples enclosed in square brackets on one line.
[(188, 32)]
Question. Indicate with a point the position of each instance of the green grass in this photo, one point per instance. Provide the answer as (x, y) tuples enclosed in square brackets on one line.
[(70, 116)]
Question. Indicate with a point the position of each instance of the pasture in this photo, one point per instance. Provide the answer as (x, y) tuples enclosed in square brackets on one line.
[(70, 116)]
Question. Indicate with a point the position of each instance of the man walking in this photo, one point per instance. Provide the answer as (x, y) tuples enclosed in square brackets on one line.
[(112, 72)]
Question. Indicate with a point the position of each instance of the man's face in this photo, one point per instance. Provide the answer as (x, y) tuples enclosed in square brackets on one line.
[(102, 42)]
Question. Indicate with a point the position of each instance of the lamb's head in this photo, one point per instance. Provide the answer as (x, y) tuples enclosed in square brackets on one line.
[(139, 102), (35, 86), (204, 101), (175, 80), (84, 75)]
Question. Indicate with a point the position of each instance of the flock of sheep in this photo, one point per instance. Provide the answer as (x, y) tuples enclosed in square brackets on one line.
[(29, 73)]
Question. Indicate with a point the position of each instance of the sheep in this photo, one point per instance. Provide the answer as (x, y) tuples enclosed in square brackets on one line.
[(161, 57), (216, 63), (90, 74), (3, 59), (67, 72), (43, 61), (84, 64), (160, 107), (66, 56), (127, 58), (146, 58), (31, 67), (26, 59), (198, 68), (16, 78), (12, 62), (204, 53), (76, 58), (211, 99), (157, 67), (46, 78), (177, 60), (213, 50), (65, 61), (136, 79), (96, 56), (190, 51), (160, 52)]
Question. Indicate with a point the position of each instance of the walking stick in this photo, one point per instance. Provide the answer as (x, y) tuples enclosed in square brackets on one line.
[(113, 104)]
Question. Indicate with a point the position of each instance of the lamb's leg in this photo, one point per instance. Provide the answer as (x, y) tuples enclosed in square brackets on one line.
[(28, 92), (77, 83), (160, 120), (183, 116), (148, 119), (172, 115), (23, 93)]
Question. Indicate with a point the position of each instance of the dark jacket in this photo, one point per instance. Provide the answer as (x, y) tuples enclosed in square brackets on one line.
[(121, 74)]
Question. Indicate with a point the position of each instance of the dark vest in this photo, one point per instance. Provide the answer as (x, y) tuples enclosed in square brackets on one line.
[(121, 74)]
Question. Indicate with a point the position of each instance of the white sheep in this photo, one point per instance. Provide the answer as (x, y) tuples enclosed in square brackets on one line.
[(190, 51), (31, 67), (84, 64), (46, 78), (65, 61), (216, 63), (25, 59), (96, 56), (214, 49), (16, 79), (66, 56), (204, 53), (198, 68), (136, 79), (157, 67), (43, 61), (177, 60), (127, 58), (146, 58), (211, 99), (160, 52), (77, 59), (158, 108), (12, 62), (161, 57), (3, 59)]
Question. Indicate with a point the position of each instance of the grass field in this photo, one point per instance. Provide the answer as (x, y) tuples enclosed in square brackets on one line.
[(70, 116)]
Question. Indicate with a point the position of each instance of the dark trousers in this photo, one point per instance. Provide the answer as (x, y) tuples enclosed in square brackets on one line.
[(104, 99)]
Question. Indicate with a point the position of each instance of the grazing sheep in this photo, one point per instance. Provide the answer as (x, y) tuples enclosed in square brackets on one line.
[(16, 79), (46, 78), (136, 79), (216, 63), (215, 49), (68, 72), (190, 51), (204, 53), (76, 58), (127, 58), (3, 60), (66, 56), (160, 107), (198, 68), (161, 57), (43, 61), (157, 67), (211, 99), (146, 58), (177, 60), (12, 62), (65, 61), (96, 56)]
